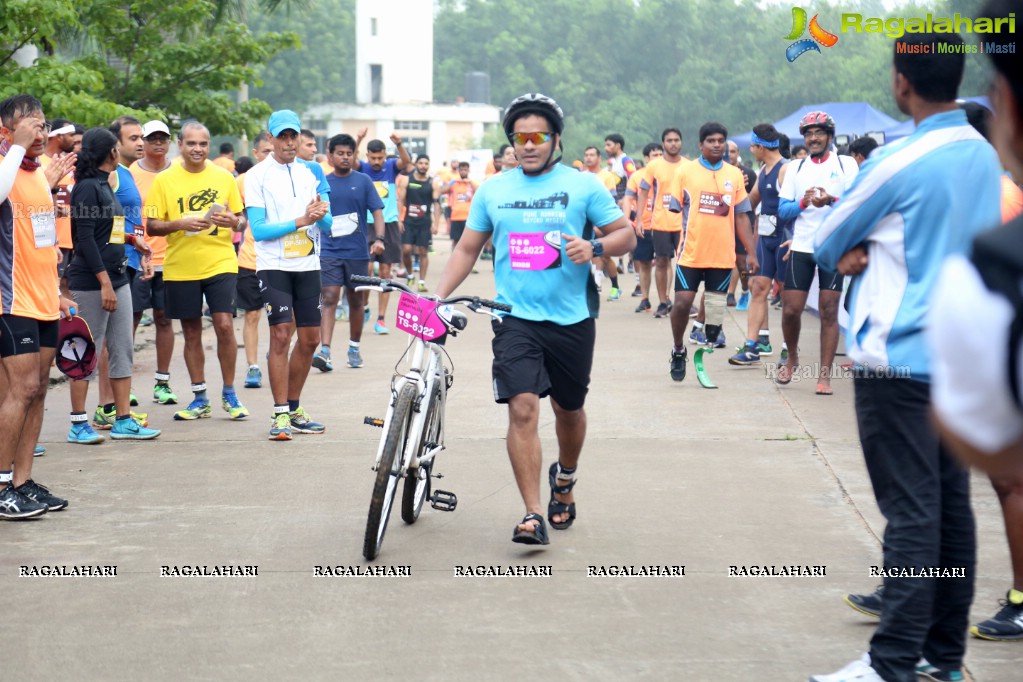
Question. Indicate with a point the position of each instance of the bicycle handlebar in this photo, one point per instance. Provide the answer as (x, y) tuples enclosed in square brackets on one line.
[(471, 302)]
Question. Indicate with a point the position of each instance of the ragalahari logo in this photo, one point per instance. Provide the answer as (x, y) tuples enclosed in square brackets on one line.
[(817, 35)]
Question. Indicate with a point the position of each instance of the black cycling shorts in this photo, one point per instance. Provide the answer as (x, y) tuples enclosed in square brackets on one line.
[(803, 267), (20, 335), (714, 279), (291, 295)]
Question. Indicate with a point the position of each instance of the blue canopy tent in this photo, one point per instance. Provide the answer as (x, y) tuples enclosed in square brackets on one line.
[(907, 127), (851, 118)]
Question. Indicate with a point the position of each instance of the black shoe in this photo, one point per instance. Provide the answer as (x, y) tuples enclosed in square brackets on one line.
[(869, 604), (637, 292), (14, 505), (643, 306), (662, 310), (42, 495), (678, 364), (1005, 625)]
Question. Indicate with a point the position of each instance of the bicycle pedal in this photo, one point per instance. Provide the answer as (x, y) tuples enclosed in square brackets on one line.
[(442, 500), (373, 421)]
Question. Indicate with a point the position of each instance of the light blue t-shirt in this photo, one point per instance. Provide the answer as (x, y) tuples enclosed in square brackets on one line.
[(527, 216), (128, 194)]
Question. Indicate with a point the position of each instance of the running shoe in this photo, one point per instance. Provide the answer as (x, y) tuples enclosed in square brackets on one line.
[(146, 320), (39, 451), (614, 294), (748, 355), (301, 423), (14, 505), (132, 400), (354, 358), (379, 328), (197, 409), (280, 427), (730, 300), (643, 306), (81, 433), (233, 406), (743, 303), (321, 360), (1005, 625), (104, 420), (697, 337), (253, 378), (719, 342), (129, 429), (400, 272), (40, 494), (776, 302), (422, 286), (637, 292), (662, 310), (867, 604), (410, 282), (365, 316), (764, 345), (859, 670), (784, 352), (341, 314), (933, 672), (632, 268), (678, 364), (163, 394)]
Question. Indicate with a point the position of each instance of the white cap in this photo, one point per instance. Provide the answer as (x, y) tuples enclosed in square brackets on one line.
[(64, 130), (155, 127)]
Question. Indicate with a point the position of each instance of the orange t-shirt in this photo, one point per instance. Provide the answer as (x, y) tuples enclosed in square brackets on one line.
[(460, 194), (708, 199), (225, 163), (62, 198), (657, 179), (144, 180), (633, 187), (28, 270)]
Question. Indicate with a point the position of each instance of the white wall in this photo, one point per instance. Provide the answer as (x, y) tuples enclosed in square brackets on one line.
[(403, 46)]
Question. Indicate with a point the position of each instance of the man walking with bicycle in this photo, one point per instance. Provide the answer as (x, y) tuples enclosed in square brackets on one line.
[(541, 217)]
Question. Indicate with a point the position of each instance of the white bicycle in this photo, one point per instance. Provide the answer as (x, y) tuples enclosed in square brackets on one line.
[(414, 423)]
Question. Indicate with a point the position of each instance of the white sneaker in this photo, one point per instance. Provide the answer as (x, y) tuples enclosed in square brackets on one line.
[(859, 670)]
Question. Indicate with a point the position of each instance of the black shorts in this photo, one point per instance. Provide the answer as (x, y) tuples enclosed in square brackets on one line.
[(666, 243), (64, 262), (287, 294), (392, 244), (457, 228), (802, 267), (644, 251), (543, 358), (771, 256), (714, 279), (337, 272), (416, 234), (149, 293), (247, 296), (21, 335), (185, 299)]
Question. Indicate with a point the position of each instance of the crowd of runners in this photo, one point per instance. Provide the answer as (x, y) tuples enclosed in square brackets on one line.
[(105, 224)]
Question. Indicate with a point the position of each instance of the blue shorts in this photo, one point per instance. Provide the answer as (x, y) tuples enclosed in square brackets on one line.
[(337, 272), (771, 256), (644, 251)]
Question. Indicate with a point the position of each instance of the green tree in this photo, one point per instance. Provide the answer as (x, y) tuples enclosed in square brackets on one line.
[(151, 58)]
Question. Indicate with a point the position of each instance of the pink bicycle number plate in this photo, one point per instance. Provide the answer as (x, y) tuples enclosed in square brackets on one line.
[(418, 316)]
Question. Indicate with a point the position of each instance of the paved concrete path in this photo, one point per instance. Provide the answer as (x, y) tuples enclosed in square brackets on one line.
[(672, 475)]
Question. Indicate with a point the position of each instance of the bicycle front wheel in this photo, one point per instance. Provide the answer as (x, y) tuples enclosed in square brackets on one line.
[(417, 483), (387, 473)]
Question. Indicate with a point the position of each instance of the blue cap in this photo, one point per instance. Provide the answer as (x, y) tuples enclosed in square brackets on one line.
[(282, 120)]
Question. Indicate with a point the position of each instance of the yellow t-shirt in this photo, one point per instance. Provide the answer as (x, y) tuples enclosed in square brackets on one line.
[(177, 193)]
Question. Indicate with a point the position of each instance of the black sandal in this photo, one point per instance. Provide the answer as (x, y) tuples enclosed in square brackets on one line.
[(555, 506), (537, 536)]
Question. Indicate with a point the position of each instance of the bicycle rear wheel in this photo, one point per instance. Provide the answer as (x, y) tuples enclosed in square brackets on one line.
[(387, 473), (417, 486)]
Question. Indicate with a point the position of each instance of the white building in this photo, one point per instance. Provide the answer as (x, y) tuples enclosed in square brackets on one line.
[(394, 87)]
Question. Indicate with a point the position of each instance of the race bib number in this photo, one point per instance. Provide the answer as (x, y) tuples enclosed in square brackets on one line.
[(665, 202), (418, 316), (712, 203), (297, 245), (117, 232), (44, 227), (535, 250), (344, 225), (416, 210)]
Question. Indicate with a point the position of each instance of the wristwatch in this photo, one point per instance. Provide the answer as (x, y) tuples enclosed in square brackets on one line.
[(598, 247)]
